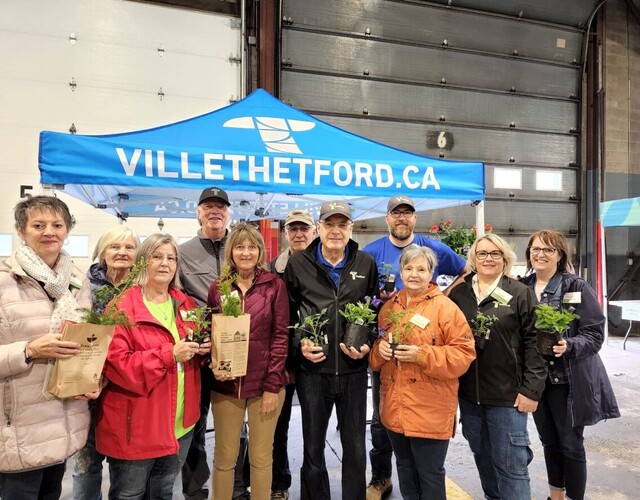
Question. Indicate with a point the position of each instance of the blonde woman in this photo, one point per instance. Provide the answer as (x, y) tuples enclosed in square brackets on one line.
[(505, 382)]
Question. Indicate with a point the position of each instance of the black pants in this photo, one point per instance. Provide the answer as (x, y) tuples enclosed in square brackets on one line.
[(38, 484), (380, 453), (563, 445)]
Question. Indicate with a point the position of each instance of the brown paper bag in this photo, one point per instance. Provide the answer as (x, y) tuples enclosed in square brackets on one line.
[(230, 346), (81, 373)]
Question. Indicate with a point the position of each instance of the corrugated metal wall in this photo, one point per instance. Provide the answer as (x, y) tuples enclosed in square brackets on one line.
[(468, 80)]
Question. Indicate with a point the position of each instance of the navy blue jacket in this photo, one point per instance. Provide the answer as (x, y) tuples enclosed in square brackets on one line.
[(591, 397)]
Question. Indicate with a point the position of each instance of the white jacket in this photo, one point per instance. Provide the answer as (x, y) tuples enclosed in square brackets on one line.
[(34, 432)]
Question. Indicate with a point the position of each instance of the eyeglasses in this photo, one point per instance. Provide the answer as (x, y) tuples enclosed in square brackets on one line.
[(495, 255), (343, 226), (396, 214), (546, 250), (157, 258), (298, 229)]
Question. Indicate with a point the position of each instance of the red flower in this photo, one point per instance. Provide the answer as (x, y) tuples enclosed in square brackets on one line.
[(488, 228), (448, 223), (435, 228)]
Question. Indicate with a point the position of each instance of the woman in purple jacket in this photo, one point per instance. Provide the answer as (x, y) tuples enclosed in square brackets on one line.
[(260, 393)]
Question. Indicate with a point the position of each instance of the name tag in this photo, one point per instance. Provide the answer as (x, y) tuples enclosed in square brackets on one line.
[(420, 321), (502, 297), (572, 298)]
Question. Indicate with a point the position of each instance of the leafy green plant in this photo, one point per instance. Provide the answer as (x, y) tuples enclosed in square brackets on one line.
[(394, 329), (230, 302), (459, 239), (481, 324), (311, 328), (384, 270), (199, 316), (111, 296), (552, 319), (360, 313)]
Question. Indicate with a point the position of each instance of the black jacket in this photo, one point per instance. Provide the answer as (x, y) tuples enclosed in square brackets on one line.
[(591, 397), (311, 289), (509, 364)]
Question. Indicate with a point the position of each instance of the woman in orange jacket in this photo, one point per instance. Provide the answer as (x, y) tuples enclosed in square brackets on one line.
[(419, 376)]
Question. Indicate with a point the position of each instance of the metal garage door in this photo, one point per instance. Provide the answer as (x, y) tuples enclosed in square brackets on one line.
[(484, 80)]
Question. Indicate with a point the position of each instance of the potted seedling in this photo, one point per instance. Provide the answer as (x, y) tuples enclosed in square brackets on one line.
[(387, 277), (552, 323), (199, 317), (360, 316), (481, 328), (396, 330), (311, 331)]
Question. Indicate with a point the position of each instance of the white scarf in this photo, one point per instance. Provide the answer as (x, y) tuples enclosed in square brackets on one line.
[(56, 284)]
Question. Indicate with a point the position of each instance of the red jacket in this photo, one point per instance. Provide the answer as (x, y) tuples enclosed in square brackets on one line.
[(420, 399), (137, 409), (268, 304)]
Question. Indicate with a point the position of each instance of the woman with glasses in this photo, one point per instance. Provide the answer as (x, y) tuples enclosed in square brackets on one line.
[(577, 390), (505, 382), (148, 410)]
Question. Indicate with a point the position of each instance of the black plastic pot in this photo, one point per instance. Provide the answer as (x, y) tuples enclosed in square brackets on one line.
[(481, 343), (356, 335), (545, 342), (389, 286), (325, 349)]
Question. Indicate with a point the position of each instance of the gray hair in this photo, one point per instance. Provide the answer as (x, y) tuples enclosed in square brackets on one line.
[(146, 249), (508, 254), (417, 252), (113, 235)]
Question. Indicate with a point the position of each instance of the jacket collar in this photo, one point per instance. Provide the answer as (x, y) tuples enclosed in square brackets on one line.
[(402, 297), (281, 261)]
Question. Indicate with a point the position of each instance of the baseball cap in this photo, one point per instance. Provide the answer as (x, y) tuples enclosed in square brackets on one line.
[(299, 216), (330, 208), (214, 192), (396, 201)]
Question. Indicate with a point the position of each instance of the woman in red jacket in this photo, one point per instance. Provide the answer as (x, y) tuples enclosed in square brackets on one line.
[(260, 393), (419, 379), (148, 409)]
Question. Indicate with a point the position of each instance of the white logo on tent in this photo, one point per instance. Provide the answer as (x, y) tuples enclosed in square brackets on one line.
[(275, 132)]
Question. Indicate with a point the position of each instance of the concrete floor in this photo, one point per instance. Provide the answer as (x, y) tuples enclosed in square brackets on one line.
[(613, 447)]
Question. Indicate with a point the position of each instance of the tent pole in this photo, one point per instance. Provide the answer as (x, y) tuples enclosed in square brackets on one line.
[(480, 219)]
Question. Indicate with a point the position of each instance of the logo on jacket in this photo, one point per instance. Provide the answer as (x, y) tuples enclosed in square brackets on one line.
[(355, 275), (276, 133)]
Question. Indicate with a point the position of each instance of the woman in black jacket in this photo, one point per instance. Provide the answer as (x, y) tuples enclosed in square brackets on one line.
[(577, 391)]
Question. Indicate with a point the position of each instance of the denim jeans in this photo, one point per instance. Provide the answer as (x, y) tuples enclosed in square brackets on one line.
[(87, 466), (380, 453), (38, 484), (151, 478), (195, 471), (318, 393), (420, 464), (498, 438), (563, 445), (281, 473)]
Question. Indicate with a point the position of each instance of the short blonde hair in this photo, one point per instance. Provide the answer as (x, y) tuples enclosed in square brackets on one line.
[(150, 245), (113, 235), (508, 254), (238, 234)]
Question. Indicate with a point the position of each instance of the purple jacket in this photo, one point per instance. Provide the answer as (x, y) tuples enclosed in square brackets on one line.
[(267, 303)]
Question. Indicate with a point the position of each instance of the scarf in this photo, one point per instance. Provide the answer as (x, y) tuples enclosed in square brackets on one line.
[(56, 284)]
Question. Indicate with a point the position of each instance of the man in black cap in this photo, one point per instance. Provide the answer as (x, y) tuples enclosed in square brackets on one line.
[(401, 220), (201, 260), (330, 273)]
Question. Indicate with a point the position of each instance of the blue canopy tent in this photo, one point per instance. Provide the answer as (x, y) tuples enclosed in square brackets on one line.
[(625, 212), (268, 156)]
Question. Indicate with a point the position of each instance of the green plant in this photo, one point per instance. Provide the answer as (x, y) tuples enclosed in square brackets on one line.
[(481, 324), (230, 302), (384, 270), (199, 316), (360, 313), (108, 299), (394, 329), (459, 239), (552, 319), (311, 328)]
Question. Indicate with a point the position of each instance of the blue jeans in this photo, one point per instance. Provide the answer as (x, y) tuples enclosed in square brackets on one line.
[(498, 438), (87, 466), (151, 478), (380, 454), (318, 393), (38, 484), (420, 464), (563, 444)]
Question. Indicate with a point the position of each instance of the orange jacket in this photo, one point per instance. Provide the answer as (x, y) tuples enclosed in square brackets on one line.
[(420, 399)]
